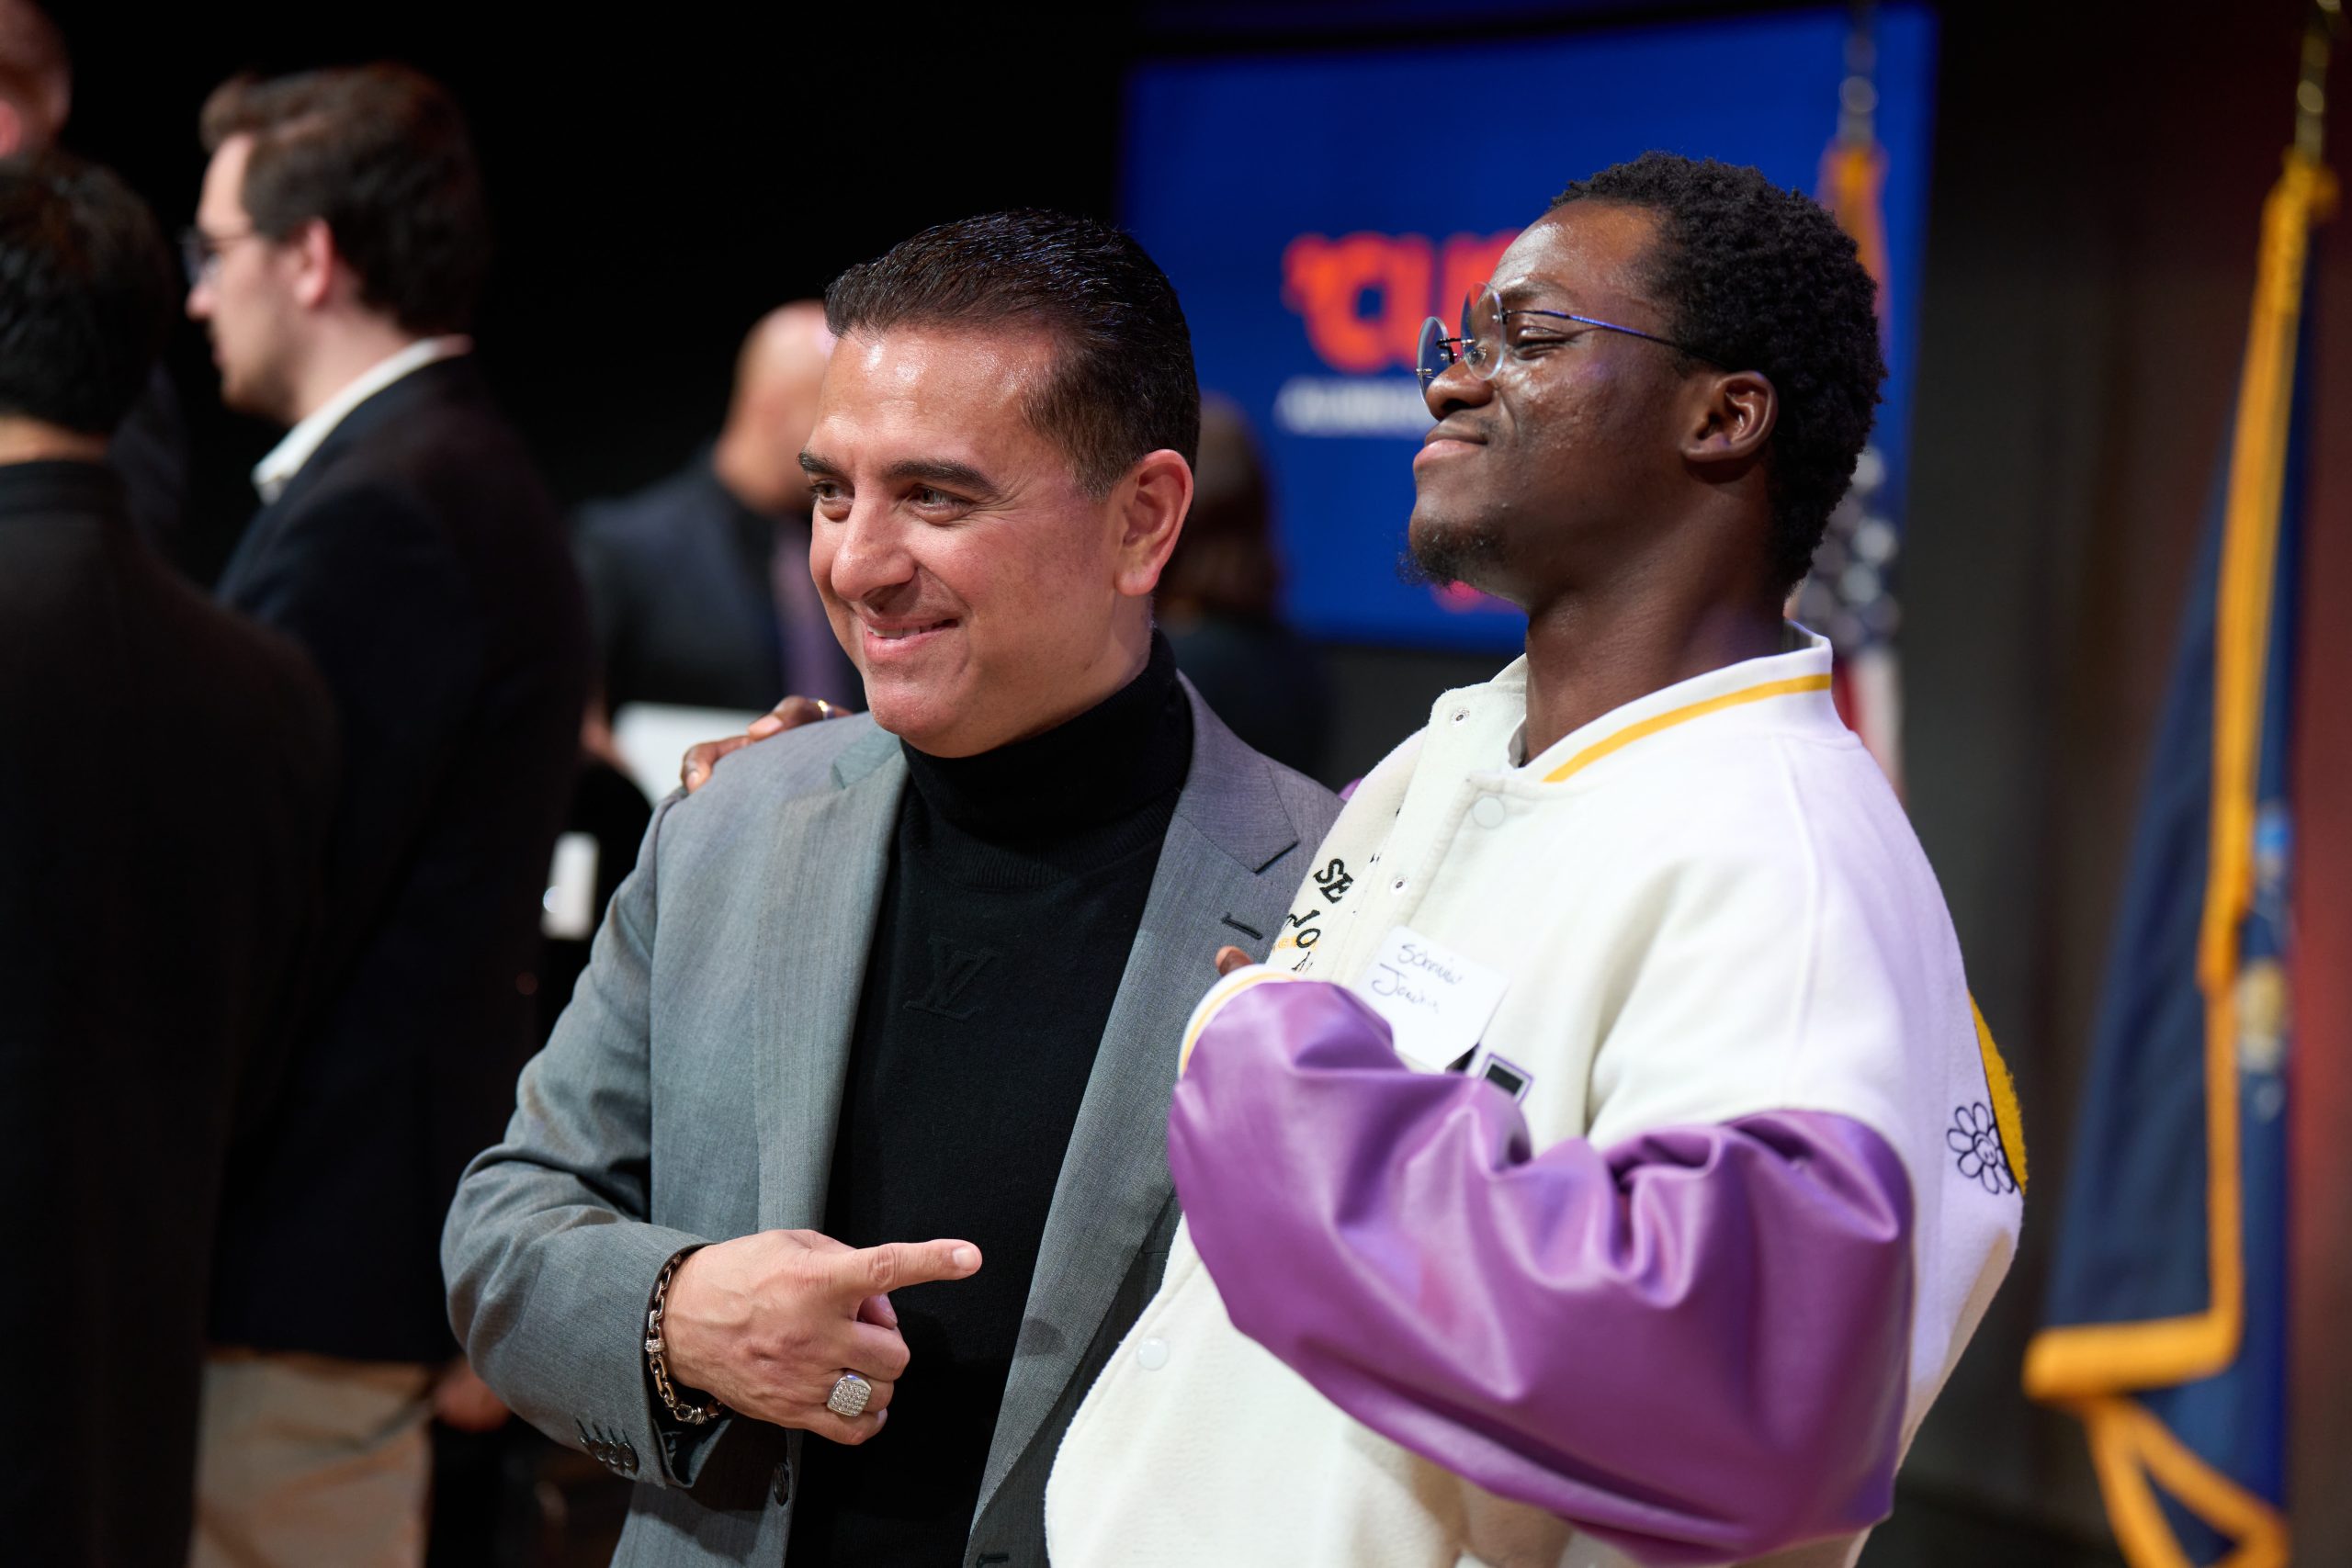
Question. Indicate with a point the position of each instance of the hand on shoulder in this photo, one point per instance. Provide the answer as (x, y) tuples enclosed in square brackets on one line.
[(695, 770)]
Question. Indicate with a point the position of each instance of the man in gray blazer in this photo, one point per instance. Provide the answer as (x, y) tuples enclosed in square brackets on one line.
[(918, 974)]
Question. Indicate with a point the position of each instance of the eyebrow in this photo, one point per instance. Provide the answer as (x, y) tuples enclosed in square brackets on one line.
[(940, 471), (921, 470), (1517, 294)]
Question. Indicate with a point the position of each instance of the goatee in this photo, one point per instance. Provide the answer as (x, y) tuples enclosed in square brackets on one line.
[(1439, 556)]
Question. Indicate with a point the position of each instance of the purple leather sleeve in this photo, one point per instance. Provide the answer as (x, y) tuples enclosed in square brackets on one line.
[(1694, 1345)]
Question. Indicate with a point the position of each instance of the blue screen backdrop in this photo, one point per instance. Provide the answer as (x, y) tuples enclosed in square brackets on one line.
[(1312, 208)]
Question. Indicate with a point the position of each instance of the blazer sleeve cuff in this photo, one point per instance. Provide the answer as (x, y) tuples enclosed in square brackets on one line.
[(578, 1370), (685, 1445)]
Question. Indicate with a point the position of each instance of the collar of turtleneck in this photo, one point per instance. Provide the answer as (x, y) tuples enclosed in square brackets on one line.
[(1105, 767)]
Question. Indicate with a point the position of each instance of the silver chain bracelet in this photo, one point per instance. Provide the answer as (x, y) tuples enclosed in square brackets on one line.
[(657, 1360)]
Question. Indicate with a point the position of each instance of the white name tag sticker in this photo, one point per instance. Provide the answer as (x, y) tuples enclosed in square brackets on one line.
[(1438, 1003)]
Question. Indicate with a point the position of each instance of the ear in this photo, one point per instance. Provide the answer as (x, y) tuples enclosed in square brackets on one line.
[(1149, 507), (12, 129), (1730, 417), (317, 263)]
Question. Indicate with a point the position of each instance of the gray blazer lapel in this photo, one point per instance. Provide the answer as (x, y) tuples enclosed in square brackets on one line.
[(827, 857), (1231, 839)]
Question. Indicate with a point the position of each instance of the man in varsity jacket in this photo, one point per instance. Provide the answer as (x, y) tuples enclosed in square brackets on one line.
[(1669, 1265)]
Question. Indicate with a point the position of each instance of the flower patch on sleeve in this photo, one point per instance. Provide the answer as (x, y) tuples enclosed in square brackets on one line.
[(1975, 1137)]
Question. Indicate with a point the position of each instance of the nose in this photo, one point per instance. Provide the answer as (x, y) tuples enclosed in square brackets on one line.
[(864, 556), (1455, 388), (199, 299)]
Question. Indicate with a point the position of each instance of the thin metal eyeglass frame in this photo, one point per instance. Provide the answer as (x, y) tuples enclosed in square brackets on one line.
[(200, 252), (1447, 352)]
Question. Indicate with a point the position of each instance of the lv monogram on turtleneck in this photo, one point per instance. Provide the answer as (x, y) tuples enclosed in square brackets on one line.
[(1017, 882)]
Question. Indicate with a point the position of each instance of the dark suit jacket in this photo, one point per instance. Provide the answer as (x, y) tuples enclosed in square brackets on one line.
[(150, 452), (681, 593), (166, 771), (418, 559), (1264, 679)]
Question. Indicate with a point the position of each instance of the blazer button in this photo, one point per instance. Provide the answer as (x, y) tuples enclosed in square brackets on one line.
[(625, 1461), (780, 1483)]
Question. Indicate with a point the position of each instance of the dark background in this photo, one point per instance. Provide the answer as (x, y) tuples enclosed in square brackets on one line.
[(655, 188), (2098, 169)]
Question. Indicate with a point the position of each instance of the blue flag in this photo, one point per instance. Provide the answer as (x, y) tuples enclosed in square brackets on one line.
[(2168, 1311)]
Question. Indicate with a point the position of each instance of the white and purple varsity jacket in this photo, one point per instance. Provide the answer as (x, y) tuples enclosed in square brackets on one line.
[(1674, 1285)]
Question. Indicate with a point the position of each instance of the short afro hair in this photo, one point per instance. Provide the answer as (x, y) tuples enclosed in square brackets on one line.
[(1755, 278), (1123, 383)]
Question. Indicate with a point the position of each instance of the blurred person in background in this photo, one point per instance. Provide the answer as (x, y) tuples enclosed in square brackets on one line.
[(35, 79), (153, 910), (1218, 601), (149, 447), (406, 541), (698, 585)]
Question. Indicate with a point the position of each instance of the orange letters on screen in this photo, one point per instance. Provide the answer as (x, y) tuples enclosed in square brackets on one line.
[(1363, 297)]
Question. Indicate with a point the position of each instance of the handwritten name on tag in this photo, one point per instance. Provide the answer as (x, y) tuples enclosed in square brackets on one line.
[(1437, 1001)]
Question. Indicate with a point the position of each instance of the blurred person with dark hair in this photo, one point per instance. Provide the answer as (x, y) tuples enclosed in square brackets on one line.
[(1220, 602), (35, 79), (149, 446), (151, 912), (406, 541), (1601, 1171), (698, 586), (907, 973)]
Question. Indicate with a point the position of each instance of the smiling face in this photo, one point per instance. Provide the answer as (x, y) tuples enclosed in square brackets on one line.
[(1556, 469), (985, 596)]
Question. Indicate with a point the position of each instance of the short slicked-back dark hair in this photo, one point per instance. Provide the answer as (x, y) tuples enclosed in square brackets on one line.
[(1760, 278), (382, 156), (87, 293), (1122, 382)]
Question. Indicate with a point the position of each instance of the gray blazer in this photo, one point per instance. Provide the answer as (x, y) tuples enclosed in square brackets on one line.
[(690, 1093)]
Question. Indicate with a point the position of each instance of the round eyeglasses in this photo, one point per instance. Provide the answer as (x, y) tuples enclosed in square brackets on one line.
[(1488, 337), (201, 253)]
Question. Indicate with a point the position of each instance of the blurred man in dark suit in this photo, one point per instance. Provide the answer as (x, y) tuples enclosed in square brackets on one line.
[(150, 909), (1219, 602), (150, 445), (699, 584), (407, 542)]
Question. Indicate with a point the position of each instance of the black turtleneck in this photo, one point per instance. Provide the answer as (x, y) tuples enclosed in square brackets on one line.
[(1017, 881)]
